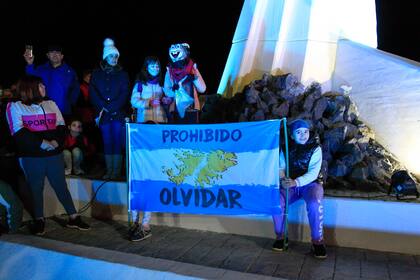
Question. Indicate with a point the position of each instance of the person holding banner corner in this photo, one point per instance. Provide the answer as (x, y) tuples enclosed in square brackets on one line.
[(305, 158)]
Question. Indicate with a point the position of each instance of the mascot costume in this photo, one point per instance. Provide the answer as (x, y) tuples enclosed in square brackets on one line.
[(183, 83)]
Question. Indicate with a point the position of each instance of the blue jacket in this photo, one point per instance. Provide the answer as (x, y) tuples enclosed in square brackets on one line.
[(109, 89), (61, 84)]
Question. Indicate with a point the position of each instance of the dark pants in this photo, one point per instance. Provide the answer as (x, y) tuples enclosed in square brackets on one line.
[(52, 167), (113, 135)]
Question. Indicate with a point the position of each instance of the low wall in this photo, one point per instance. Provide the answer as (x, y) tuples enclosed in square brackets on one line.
[(348, 222)]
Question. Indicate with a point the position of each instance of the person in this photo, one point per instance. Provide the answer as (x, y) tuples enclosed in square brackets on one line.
[(183, 82), (13, 206), (85, 112), (84, 109), (304, 181), (38, 129), (11, 173), (58, 77), (109, 94), (137, 231), (75, 148), (147, 96)]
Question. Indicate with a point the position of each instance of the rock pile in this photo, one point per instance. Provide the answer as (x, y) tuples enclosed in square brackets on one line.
[(352, 158)]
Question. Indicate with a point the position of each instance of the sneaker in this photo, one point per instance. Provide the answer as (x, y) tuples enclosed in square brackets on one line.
[(278, 245), (133, 229), (77, 223), (67, 171), (39, 227), (140, 234), (319, 251)]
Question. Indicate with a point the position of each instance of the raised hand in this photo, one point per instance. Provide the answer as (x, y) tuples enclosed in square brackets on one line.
[(29, 57)]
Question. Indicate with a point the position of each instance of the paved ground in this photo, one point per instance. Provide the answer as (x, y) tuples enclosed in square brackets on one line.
[(240, 253)]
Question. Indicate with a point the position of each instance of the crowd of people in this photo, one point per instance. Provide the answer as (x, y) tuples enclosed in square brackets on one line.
[(56, 122)]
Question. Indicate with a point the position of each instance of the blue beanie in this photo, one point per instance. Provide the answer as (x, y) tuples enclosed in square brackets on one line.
[(299, 123)]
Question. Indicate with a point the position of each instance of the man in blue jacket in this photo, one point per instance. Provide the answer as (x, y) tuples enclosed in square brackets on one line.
[(59, 79)]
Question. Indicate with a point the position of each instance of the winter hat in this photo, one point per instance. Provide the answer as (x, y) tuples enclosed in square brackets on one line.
[(299, 123), (109, 48)]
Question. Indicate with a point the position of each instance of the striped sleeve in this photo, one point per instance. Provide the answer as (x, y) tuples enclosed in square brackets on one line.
[(14, 119), (59, 116)]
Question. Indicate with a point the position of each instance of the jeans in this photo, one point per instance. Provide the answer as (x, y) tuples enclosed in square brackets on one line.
[(52, 167), (313, 194)]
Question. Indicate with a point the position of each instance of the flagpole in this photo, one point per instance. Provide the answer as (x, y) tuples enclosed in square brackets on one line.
[(127, 166), (286, 210)]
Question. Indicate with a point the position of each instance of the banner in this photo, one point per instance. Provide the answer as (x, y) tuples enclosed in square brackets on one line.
[(223, 169)]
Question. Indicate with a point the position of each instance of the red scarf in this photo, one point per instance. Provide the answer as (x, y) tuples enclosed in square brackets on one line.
[(178, 73)]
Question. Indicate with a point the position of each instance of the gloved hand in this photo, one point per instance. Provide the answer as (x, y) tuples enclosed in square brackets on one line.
[(175, 87), (190, 78)]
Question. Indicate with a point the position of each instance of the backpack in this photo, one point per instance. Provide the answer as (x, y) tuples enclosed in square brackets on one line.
[(403, 185)]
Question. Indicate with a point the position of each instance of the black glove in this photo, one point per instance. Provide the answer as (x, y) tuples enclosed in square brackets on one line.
[(190, 78), (175, 87)]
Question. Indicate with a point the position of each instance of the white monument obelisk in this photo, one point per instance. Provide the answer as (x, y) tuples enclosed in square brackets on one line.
[(294, 36)]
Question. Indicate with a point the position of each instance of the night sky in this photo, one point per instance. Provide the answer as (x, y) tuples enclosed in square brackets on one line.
[(141, 28)]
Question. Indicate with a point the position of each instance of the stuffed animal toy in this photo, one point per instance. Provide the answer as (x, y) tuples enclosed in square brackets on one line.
[(183, 82)]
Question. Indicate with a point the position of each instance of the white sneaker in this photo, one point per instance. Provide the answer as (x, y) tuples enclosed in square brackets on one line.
[(67, 171)]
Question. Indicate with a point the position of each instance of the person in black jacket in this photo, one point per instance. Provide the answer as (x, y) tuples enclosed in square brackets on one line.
[(38, 130), (109, 93)]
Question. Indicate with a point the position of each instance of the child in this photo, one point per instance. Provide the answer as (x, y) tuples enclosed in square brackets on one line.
[(147, 96), (137, 231), (305, 159), (75, 146)]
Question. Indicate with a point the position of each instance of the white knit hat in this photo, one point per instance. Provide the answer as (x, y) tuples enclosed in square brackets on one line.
[(109, 48)]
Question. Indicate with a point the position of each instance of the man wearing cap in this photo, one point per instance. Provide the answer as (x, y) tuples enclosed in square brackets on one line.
[(60, 80)]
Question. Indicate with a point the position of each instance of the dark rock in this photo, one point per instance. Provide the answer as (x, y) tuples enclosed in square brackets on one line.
[(252, 95), (360, 172), (319, 108), (351, 114), (338, 169), (268, 97), (261, 105), (258, 116), (338, 183), (281, 110)]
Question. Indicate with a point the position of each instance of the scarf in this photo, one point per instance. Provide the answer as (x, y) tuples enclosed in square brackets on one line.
[(177, 73), (108, 68)]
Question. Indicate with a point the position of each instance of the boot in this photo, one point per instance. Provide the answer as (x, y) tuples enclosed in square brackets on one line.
[(109, 167), (67, 162), (77, 160), (116, 171)]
